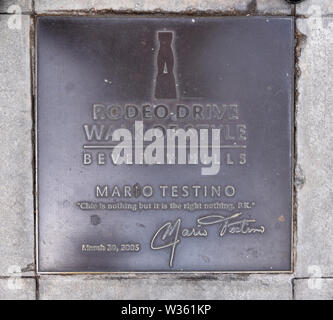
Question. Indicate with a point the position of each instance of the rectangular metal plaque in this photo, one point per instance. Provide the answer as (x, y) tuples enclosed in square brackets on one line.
[(164, 144)]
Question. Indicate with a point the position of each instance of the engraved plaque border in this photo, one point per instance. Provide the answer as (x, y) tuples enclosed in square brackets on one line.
[(191, 272)]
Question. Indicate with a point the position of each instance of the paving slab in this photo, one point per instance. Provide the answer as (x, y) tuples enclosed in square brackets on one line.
[(273, 7), (166, 287), (16, 6), (315, 7), (227, 6), (314, 289), (16, 288), (16, 198), (314, 148)]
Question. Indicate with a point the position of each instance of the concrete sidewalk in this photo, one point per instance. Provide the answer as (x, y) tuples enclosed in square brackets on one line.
[(313, 274)]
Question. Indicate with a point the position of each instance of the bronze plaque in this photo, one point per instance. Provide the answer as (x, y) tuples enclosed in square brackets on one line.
[(164, 144)]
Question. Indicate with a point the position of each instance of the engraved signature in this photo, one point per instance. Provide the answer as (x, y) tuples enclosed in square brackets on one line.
[(170, 233)]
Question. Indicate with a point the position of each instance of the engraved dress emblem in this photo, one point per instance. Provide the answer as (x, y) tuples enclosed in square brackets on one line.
[(165, 87)]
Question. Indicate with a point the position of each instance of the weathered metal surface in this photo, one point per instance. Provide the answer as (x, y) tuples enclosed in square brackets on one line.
[(230, 78)]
